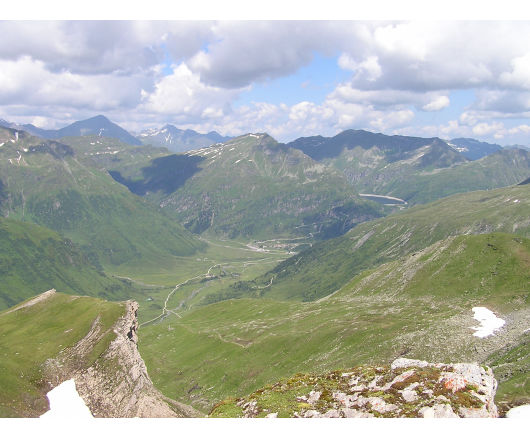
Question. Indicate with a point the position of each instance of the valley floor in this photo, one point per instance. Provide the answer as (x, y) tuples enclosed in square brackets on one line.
[(180, 283)]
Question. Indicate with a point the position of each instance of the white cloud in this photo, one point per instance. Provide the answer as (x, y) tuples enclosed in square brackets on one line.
[(508, 102), (521, 129), (437, 104), (519, 77), (98, 47), (28, 82), (369, 68), (428, 101), (244, 52), (183, 96), (67, 69), (482, 129)]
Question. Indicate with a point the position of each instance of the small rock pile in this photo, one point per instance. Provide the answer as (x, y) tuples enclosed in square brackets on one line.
[(408, 388)]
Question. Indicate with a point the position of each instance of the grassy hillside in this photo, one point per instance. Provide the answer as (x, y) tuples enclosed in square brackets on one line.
[(327, 266), (500, 169), (417, 306), (253, 186), (34, 258), (418, 170), (32, 335), (46, 182)]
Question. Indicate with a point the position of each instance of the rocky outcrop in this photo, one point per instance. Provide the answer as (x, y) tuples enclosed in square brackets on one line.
[(408, 388), (117, 383)]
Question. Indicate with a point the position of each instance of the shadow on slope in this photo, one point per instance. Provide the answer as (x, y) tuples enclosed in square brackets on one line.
[(165, 174)]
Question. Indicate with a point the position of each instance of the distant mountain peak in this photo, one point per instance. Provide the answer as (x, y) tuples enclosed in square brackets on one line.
[(473, 149), (99, 117), (179, 140)]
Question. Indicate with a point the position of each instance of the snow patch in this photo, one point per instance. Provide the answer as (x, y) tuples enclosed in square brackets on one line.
[(522, 411), (237, 161), (65, 402), (1, 144), (489, 322), (516, 201)]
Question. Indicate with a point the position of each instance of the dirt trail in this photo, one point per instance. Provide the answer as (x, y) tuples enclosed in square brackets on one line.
[(165, 310)]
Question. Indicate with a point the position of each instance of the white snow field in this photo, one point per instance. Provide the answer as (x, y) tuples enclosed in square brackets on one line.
[(65, 402), (489, 322)]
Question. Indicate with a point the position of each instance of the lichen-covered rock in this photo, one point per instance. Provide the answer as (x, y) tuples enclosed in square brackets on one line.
[(408, 388), (438, 411), (404, 362)]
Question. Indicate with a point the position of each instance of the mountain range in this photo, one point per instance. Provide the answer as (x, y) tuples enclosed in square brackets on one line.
[(415, 169), (98, 125), (46, 182), (251, 186), (325, 267), (179, 140), (253, 261), (169, 136), (473, 149)]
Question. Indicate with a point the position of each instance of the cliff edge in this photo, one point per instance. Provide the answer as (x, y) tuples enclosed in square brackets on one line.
[(117, 383)]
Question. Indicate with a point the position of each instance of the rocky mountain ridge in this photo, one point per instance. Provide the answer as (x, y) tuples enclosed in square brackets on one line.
[(179, 140), (408, 388), (118, 385), (109, 373), (98, 125)]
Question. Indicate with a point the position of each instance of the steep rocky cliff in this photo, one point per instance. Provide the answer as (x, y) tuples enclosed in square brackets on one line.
[(117, 383), (54, 338)]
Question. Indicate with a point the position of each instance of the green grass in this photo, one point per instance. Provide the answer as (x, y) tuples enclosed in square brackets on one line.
[(501, 169), (418, 178), (252, 188), (235, 262), (327, 266), (231, 348), (512, 371), (35, 259), (71, 195), (30, 336)]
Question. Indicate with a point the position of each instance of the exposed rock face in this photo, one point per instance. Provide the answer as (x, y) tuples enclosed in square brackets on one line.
[(117, 384), (408, 388)]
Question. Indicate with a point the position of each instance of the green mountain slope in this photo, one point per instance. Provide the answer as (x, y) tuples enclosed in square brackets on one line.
[(252, 186), (34, 258), (44, 181), (53, 338), (371, 161), (32, 335), (419, 306), (500, 169), (415, 169), (327, 266)]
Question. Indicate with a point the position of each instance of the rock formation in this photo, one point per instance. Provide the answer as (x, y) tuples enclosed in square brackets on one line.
[(408, 388), (117, 383)]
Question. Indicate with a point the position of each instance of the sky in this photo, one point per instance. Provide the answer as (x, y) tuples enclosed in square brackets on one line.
[(289, 78)]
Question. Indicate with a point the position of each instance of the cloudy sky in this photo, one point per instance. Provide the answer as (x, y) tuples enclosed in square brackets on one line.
[(287, 78)]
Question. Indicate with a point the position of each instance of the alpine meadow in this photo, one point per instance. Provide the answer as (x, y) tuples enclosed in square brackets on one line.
[(265, 219)]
